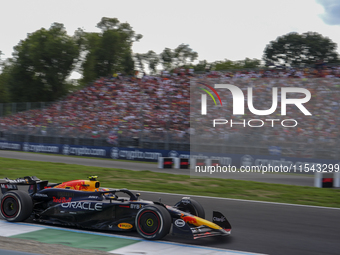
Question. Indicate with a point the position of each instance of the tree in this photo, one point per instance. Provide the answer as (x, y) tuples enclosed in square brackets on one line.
[(225, 65), (88, 43), (183, 55), (40, 65), (202, 66), (140, 57), (109, 51), (301, 50), (234, 65), (167, 59), (249, 63), (151, 59), (4, 77)]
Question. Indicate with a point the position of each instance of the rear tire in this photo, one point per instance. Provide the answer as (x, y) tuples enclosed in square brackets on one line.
[(153, 222), (191, 206), (16, 206)]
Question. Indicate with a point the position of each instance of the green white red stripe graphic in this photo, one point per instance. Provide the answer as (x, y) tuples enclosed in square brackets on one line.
[(204, 98)]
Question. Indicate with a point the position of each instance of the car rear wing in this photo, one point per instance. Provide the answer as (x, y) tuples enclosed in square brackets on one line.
[(34, 183)]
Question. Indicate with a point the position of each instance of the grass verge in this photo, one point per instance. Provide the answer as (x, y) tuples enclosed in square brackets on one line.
[(170, 183)]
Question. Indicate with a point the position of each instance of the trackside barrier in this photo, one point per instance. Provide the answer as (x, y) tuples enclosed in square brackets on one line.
[(181, 163), (212, 162), (336, 183), (152, 155), (165, 162), (170, 162), (327, 180), (197, 162), (204, 162)]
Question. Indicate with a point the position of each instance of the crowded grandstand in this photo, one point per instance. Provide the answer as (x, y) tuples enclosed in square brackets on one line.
[(157, 109)]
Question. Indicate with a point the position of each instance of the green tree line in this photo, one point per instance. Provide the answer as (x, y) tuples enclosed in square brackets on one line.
[(41, 63)]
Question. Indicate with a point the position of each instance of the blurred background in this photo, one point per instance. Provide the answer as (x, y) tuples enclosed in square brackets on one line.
[(142, 100)]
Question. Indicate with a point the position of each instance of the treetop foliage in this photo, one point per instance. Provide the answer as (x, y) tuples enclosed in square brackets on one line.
[(41, 63), (295, 49)]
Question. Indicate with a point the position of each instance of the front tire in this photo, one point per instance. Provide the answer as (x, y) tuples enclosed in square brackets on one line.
[(153, 222), (16, 206)]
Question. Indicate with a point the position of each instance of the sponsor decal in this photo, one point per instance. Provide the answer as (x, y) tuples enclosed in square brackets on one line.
[(93, 197), (115, 153), (61, 200), (173, 154), (186, 200), (247, 160), (222, 219), (17, 181), (87, 206), (40, 148), (196, 221), (134, 154), (180, 223), (25, 147), (10, 146), (189, 219), (66, 149), (73, 185), (83, 151), (9, 186), (125, 225), (135, 206)]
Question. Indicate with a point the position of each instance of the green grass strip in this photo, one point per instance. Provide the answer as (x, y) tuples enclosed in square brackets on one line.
[(76, 240), (170, 183)]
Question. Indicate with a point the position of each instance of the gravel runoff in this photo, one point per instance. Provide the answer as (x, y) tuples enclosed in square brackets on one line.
[(15, 244)]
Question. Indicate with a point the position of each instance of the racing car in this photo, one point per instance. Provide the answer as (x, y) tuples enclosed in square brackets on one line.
[(84, 204)]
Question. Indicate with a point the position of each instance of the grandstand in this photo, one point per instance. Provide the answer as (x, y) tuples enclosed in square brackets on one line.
[(153, 112)]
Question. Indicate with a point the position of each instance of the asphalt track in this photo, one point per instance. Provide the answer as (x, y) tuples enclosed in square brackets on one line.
[(261, 227)]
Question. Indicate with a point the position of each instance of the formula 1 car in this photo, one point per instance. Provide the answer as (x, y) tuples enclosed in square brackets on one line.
[(83, 204)]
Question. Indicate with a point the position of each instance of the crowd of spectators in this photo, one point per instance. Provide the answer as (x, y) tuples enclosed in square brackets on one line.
[(111, 107), (158, 108)]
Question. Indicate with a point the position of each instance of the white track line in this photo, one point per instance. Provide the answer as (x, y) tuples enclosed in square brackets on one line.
[(241, 200)]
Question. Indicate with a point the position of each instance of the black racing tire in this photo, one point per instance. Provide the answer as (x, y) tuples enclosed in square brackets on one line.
[(191, 206), (153, 222), (16, 205)]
